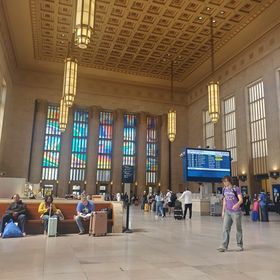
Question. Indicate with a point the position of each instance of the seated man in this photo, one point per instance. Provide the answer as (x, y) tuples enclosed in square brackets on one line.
[(84, 210), (17, 212)]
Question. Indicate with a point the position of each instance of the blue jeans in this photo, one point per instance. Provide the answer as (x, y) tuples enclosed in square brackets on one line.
[(264, 213), (159, 208), (79, 222), (229, 218)]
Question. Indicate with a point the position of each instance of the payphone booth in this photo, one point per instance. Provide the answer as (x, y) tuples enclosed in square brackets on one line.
[(49, 188), (275, 192), (76, 188)]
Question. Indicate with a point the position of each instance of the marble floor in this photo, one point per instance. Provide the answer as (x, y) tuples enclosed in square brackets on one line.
[(158, 249)]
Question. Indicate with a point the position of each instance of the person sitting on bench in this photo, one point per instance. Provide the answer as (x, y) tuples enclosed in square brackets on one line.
[(17, 212), (84, 209), (47, 209)]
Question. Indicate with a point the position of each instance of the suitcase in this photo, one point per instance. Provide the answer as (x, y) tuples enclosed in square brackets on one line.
[(146, 207), (98, 224), (178, 213), (52, 227)]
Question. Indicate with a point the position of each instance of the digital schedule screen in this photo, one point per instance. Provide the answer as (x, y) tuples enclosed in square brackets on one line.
[(204, 165)]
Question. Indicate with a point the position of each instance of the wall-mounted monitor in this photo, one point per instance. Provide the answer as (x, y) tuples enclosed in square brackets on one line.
[(205, 165)]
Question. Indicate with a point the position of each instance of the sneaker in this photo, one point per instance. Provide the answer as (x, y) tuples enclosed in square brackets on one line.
[(240, 248), (221, 249), (0, 234), (81, 233), (23, 234)]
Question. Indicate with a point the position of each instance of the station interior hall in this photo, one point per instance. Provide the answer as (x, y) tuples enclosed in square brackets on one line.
[(116, 102)]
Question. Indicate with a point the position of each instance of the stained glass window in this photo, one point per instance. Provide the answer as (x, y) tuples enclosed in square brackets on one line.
[(129, 140), (79, 146), (152, 151), (105, 142), (52, 145)]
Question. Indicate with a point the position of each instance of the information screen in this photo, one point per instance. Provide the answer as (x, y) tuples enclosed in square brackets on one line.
[(206, 165)]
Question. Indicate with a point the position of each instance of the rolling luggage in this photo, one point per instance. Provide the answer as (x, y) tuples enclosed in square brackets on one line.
[(52, 227), (52, 224), (146, 207), (178, 212), (98, 223)]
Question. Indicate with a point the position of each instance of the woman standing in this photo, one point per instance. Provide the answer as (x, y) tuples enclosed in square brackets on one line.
[(159, 204)]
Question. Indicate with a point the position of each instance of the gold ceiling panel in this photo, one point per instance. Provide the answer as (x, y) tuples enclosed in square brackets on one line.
[(142, 36)]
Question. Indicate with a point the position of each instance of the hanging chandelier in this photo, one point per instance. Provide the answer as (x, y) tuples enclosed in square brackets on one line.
[(70, 80), (213, 87), (171, 117), (85, 11), (63, 115)]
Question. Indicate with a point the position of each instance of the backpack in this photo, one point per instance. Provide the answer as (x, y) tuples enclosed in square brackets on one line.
[(11, 230), (173, 197)]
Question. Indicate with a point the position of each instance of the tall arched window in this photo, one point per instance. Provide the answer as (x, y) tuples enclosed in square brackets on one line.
[(129, 142), (79, 146), (52, 145), (105, 143), (152, 151)]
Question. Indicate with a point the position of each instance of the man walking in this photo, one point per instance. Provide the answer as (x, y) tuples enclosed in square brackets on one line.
[(187, 196), (231, 213)]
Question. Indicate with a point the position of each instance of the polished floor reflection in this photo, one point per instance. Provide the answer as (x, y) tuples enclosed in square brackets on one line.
[(158, 249)]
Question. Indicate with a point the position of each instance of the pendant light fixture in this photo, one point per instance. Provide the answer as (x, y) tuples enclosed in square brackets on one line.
[(63, 115), (84, 21), (70, 80), (171, 117), (213, 86)]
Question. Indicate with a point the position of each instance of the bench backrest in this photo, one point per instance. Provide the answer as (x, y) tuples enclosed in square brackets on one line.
[(68, 209)]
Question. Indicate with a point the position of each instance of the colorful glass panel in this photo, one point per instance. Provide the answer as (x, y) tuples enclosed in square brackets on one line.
[(51, 151), (79, 146), (152, 151), (105, 143), (129, 140)]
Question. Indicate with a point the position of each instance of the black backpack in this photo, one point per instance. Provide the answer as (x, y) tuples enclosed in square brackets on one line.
[(173, 197)]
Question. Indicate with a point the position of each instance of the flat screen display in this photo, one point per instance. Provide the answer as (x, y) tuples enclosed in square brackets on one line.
[(204, 165)]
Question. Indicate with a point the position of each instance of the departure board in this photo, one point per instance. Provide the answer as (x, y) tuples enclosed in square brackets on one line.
[(206, 165)]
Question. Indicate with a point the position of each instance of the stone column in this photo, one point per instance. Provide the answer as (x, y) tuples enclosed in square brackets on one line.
[(141, 153), (164, 155), (65, 157), (117, 151), (37, 145), (92, 149)]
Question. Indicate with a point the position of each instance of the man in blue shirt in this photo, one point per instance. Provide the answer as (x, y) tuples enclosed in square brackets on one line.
[(84, 211)]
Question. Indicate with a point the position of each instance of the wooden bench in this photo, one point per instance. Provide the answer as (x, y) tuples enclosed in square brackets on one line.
[(68, 225)]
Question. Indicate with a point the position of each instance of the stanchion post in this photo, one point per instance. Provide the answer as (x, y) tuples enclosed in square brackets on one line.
[(127, 230)]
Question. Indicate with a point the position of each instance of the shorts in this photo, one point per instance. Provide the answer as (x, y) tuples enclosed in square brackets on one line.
[(170, 204)]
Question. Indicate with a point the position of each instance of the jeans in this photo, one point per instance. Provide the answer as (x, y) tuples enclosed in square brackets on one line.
[(229, 218), (45, 219), (159, 208), (264, 213), (79, 221), (21, 219), (188, 206)]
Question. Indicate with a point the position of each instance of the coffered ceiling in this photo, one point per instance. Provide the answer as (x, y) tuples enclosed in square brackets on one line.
[(139, 37)]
